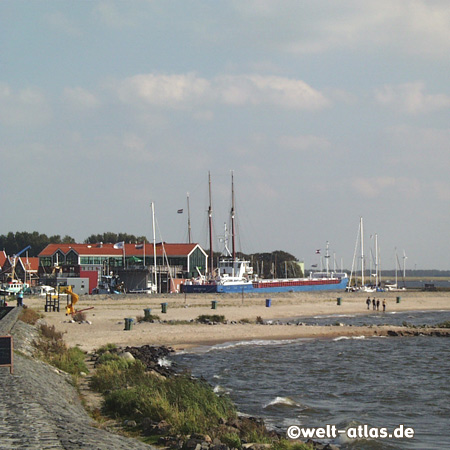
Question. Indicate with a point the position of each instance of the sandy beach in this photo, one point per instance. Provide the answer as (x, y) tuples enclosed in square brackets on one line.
[(107, 317)]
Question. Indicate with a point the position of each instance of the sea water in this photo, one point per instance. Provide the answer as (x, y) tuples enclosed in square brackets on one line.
[(347, 382)]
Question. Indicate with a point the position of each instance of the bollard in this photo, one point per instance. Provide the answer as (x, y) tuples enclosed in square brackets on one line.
[(164, 308), (398, 299), (268, 302), (339, 301), (128, 322), (214, 304), (147, 313)]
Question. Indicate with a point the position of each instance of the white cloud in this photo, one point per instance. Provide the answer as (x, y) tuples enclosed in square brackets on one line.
[(81, 98), (411, 26), (187, 90), (27, 107), (164, 90), (372, 187), (411, 98)]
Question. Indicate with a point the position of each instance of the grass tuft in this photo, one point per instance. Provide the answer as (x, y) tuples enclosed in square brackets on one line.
[(29, 315)]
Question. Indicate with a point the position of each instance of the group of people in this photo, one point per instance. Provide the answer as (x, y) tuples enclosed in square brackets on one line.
[(375, 304)]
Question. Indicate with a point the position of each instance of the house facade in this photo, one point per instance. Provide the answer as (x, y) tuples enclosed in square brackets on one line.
[(133, 264)]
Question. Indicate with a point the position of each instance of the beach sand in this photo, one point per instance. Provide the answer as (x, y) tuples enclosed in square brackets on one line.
[(108, 314)]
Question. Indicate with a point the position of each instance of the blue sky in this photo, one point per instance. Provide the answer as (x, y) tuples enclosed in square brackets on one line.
[(326, 111)]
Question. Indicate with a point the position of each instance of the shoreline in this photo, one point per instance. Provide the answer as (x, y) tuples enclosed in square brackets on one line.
[(108, 314)]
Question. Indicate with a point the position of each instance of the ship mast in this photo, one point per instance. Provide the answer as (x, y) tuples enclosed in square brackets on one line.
[(233, 229), (211, 256), (189, 219)]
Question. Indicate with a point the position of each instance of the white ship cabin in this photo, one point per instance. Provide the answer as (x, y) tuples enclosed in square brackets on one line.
[(234, 268)]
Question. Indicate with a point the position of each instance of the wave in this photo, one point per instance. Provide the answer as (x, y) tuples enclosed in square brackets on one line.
[(282, 401), (218, 389), (255, 342), (164, 362), (341, 338)]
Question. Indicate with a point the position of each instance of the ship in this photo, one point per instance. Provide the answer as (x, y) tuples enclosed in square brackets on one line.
[(235, 275)]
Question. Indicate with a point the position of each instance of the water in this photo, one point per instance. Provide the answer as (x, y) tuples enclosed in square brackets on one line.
[(376, 318), (382, 382)]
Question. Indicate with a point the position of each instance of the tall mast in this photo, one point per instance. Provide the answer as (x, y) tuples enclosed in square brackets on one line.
[(362, 249), (376, 260), (211, 256), (154, 246), (233, 229), (189, 219)]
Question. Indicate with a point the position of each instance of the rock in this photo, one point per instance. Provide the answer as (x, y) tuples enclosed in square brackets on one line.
[(127, 356)]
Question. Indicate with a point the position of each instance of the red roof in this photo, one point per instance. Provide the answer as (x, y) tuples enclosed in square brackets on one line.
[(109, 250), (3, 258), (30, 264)]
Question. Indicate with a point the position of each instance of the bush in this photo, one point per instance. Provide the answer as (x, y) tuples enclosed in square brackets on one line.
[(284, 444), (79, 316), (444, 324), (188, 405), (54, 350), (71, 361), (232, 440), (29, 315), (150, 318), (207, 318), (107, 348), (117, 374)]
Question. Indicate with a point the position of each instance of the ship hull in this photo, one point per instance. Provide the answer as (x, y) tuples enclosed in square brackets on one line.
[(270, 286)]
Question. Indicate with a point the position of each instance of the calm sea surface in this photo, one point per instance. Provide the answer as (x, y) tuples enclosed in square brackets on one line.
[(382, 382)]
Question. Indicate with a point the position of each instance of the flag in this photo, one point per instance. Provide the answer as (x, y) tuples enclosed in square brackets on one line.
[(318, 252), (180, 211), (119, 245), (138, 246)]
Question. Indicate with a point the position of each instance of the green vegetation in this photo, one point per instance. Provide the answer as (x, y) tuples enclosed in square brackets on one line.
[(29, 315), (52, 349), (285, 444), (186, 404), (444, 324), (207, 318), (149, 318)]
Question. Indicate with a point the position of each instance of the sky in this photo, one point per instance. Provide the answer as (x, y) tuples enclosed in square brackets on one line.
[(324, 110)]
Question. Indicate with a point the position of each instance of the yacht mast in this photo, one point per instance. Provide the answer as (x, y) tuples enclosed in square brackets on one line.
[(154, 246), (211, 255), (362, 250), (189, 219), (233, 229)]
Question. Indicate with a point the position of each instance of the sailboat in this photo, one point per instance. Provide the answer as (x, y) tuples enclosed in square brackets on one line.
[(394, 287), (235, 275), (363, 287)]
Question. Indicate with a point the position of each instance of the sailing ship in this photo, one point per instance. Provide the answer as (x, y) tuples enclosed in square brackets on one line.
[(235, 275)]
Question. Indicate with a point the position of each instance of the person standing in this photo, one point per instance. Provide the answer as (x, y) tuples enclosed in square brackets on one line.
[(374, 304), (368, 302), (20, 298), (378, 305), (384, 305)]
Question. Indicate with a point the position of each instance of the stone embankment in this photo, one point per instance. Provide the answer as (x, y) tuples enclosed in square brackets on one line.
[(39, 407)]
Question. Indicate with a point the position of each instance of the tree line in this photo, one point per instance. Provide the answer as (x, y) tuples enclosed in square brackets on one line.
[(13, 243)]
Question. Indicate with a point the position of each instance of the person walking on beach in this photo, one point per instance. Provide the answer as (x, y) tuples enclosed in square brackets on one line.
[(384, 305), (374, 304), (378, 305), (368, 302)]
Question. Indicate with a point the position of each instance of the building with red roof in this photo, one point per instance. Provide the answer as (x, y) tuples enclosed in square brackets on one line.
[(134, 264)]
